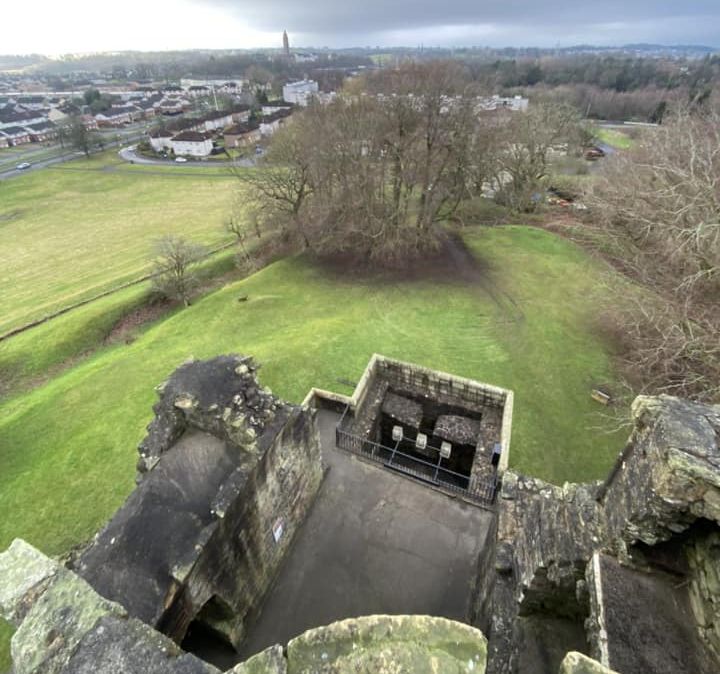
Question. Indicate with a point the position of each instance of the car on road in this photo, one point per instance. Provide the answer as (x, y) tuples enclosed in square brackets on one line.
[(23, 166), (180, 159)]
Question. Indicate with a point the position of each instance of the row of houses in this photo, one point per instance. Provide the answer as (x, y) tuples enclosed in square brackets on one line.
[(194, 137)]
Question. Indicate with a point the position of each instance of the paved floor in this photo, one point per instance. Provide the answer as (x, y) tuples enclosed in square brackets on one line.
[(374, 542)]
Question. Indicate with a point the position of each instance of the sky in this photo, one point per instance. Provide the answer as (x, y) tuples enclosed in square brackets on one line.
[(72, 26)]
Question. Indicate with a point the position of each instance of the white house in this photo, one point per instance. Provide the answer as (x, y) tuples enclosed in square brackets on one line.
[(269, 124), (300, 92), (192, 144), (304, 57), (271, 108), (496, 102), (161, 140), (217, 120)]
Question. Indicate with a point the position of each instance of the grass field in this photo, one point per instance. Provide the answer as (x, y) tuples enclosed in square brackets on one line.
[(614, 138), (68, 447), (65, 236)]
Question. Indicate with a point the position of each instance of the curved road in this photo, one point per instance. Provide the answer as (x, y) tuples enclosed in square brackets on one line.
[(129, 155)]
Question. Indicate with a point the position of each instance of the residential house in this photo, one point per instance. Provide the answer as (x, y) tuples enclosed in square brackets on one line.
[(241, 114), (16, 135), (217, 120), (269, 124), (198, 91), (231, 88), (117, 116), (31, 102), (40, 133), (89, 122), (239, 135), (274, 106), (300, 92), (57, 115), (4, 140), (498, 103), (161, 140), (173, 106), (10, 118), (192, 144)]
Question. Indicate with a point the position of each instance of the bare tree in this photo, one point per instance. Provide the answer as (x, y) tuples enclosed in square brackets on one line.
[(658, 207), (174, 261), (525, 144), (373, 175)]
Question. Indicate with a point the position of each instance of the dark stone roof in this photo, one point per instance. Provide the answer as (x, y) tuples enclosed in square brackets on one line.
[(42, 126), (281, 113), (6, 117), (15, 131), (192, 136), (240, 129)]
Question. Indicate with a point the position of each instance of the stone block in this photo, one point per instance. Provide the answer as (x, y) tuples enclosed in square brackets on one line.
[(389, 644), (577, 663)]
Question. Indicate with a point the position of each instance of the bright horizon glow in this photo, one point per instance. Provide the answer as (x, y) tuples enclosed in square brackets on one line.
[(78, 27), (136, 25)]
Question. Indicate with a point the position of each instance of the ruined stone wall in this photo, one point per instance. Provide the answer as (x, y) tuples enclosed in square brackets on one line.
[(242, 556), (667, 477), (704, 560), (671, 474), (480, 613)]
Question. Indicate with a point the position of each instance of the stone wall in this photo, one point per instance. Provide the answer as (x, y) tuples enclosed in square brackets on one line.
[(241, 558), (704, 560), (667, 478), (227, 473), (65, 627), (670, 475)]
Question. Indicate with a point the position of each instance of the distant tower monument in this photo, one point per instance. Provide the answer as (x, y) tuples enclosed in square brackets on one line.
[(286, 44)]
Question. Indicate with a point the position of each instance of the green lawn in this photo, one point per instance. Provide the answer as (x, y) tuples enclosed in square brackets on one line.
[(67, 234), (36, 354), (614, 138), (68, 447)]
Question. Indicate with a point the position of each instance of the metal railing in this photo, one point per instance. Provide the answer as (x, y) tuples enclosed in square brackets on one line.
[(480, 491)]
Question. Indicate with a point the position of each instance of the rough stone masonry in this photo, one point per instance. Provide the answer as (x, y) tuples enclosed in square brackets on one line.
[(226, 474)]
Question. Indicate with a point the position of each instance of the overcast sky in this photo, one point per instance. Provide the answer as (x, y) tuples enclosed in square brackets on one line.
[(62, 26)]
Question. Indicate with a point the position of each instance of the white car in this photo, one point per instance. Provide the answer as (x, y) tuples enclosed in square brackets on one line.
[(23, 166), (180, 159)]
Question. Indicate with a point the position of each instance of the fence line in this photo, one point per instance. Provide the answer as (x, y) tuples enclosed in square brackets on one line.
[(482, 493), (99, 296)]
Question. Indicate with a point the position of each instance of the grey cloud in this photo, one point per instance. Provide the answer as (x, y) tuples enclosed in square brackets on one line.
[(336, 22)]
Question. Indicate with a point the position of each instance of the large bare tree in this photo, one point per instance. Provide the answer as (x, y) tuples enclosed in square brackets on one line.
[(373, 173), (659, 209)]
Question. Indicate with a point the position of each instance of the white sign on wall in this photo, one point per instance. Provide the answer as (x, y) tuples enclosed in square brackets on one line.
[(278, 529)]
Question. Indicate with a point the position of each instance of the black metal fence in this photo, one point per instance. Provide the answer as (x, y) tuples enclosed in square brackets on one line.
[(481, 492)]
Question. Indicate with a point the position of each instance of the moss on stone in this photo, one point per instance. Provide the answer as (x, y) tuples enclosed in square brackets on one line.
[(389, 645), (577, 663)]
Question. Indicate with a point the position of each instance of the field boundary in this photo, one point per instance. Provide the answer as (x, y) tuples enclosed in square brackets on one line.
[(106, 293)]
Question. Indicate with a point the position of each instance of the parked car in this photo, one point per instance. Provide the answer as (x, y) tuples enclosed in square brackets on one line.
[(180, 159), (23, 166)]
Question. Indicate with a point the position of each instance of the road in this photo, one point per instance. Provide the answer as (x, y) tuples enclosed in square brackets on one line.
[(129, 155), (40, 157)]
